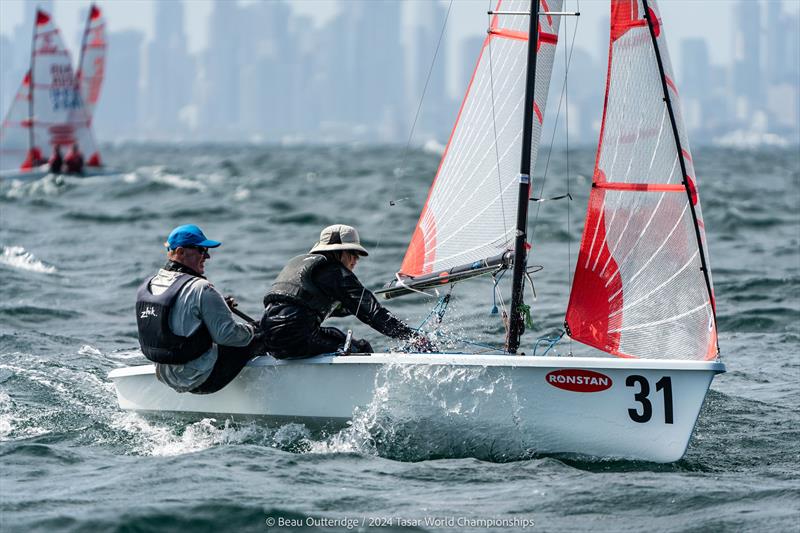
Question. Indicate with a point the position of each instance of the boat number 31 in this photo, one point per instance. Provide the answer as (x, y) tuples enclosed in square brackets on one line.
[(644, 411)]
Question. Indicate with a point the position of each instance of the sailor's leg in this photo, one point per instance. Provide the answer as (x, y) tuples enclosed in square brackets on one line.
[(230, 361)]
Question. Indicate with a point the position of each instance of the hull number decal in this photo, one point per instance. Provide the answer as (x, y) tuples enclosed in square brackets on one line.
[(642, 397)]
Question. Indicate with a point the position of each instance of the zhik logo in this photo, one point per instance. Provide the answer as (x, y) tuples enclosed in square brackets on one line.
[(148, 312)]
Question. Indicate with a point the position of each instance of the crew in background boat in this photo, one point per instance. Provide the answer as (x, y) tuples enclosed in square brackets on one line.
[(56, 160), (185, 325), (73, 161), (320, 284)]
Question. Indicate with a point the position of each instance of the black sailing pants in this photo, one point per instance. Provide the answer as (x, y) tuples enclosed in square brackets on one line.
[(230, 361)]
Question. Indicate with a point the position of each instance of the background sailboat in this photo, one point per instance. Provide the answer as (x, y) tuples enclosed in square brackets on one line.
[(47, 111), (642, 404)]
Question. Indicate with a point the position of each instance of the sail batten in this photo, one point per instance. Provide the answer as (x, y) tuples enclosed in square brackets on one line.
[(639, 288)]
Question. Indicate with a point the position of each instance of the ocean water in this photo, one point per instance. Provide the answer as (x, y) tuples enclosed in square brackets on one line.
[(72, 252)]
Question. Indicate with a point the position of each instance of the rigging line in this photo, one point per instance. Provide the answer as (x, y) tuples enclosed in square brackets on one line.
[(392, 201), (421, 99), (494, 125), (555, 122)]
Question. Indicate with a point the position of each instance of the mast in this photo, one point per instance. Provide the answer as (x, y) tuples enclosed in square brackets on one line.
[(79, 73), (30, 87), (671, 112), (520, 253)]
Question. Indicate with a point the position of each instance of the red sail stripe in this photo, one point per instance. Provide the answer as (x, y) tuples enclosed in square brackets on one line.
[(544, 37), (511, 34), (643, 187), (546, 9), (671, 83)]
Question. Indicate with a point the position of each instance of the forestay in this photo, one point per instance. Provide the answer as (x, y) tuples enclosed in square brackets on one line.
[(48, 109), (639, 288), (470, 212), (91, 68)]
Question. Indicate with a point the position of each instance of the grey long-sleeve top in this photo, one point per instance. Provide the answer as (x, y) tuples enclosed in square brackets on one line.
[(198, 303)]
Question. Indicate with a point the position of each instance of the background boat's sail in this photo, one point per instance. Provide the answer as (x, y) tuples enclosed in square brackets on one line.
[(470, 213), (59, 116), (14, 133), (93, 59), (639, 289)]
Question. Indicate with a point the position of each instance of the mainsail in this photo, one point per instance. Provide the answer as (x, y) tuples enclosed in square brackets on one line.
[(91, 66), (642, 285), (48, 110), (470, 213)]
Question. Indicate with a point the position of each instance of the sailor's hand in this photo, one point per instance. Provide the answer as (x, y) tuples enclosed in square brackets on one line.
[(422, 344), (361, 346), (231, 301)]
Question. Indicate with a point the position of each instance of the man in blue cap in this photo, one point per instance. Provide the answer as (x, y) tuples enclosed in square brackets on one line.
[(185, 325)]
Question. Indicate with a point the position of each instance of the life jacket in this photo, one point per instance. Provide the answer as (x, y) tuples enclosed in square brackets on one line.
[(159, 344), (294, 285), (73, 162)]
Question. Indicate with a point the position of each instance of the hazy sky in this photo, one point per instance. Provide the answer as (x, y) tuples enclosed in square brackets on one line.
[(711, 19)]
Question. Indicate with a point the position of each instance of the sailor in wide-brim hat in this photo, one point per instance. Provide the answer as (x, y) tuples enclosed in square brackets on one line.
[(320, 284)]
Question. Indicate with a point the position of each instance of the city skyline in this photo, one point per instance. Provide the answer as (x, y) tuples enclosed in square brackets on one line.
[(273, 72)]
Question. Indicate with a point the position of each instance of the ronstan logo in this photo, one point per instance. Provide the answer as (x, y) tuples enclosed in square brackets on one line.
[(579, 380)]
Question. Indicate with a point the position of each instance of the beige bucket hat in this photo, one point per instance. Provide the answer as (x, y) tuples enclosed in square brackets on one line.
[(339, 237)]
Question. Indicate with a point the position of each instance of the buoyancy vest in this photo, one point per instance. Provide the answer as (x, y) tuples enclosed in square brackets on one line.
[(294, 284), (159, 344)]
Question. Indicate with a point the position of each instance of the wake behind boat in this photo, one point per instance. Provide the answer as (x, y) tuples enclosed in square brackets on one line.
[(641, 297)]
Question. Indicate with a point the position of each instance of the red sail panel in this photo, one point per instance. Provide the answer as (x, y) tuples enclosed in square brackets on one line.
[(470, 213), (638, 289)]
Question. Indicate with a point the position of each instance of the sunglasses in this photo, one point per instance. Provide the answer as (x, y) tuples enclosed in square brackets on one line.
[(202, 250)]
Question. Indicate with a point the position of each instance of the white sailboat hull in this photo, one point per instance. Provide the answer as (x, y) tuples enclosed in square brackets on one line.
[(638, 409), (42, 171)]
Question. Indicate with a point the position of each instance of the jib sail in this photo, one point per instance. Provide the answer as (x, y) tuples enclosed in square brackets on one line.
[(642, 286)]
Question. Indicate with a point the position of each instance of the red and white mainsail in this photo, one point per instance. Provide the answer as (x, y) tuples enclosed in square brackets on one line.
[(470, 213), (48, 110), (640, 289), (91, 68)]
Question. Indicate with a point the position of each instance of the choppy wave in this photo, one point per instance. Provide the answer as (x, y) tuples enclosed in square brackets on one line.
[(18, 257), (413, 445)]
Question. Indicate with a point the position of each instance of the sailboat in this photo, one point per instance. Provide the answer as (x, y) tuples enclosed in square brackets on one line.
[(48, 109), (642, 293)]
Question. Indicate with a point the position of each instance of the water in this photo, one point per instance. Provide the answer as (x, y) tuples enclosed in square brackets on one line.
[(72, 253)]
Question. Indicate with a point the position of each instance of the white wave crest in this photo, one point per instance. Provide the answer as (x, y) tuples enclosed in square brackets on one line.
[(18, 257), (165, 441), (419, 413)]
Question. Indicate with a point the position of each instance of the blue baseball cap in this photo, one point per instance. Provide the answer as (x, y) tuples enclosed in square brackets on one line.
[(189, 235)]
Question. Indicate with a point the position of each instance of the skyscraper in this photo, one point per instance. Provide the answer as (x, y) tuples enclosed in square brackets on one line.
[(170, 71), (219, 108), (117, 113), (747, 57)]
